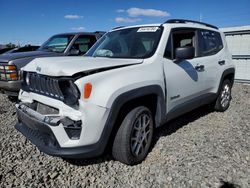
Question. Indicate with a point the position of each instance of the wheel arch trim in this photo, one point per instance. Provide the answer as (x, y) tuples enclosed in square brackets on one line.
[(224, 74), (126, 97)]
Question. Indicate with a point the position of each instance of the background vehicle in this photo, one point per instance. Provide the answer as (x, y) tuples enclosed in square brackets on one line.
[(67, 44), (4, 50), (26, 48), (133, 80)]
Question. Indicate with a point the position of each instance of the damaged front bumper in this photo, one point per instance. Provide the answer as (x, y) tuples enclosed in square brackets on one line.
[(38, 129)]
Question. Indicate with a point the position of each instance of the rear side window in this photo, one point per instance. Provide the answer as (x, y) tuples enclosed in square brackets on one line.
[(83, 43), (210, 42)]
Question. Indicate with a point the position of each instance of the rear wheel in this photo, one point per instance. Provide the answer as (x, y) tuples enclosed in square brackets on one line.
[(223, 100), (134, 136)]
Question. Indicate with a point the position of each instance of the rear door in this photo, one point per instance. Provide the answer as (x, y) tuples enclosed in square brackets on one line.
[(183, 78), (212, 57)]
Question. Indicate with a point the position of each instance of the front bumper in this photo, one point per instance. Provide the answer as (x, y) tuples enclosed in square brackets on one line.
[(10, 87), (41, 135)]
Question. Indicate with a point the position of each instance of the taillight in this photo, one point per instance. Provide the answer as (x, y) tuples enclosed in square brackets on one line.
[(8, 72)]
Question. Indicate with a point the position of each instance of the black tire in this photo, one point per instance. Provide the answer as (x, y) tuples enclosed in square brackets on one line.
[(13, 99), (219, 105), (125, 145)]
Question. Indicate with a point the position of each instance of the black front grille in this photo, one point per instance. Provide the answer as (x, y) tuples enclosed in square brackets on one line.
[(43, 85), (60, 88)]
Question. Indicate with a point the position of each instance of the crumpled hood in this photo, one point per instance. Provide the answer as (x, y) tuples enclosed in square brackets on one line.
[(68, 66), (19, 55)]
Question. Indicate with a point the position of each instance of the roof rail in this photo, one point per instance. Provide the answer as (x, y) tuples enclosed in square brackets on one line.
[(190, 21), (117, 27)]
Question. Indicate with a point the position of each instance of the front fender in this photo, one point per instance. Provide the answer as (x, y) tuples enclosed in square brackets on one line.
[(108, 85)]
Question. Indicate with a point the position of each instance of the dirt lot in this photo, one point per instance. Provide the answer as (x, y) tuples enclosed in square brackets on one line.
[(199, 149)]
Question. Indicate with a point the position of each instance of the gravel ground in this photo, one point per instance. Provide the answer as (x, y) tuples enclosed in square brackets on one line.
[(199, 149)]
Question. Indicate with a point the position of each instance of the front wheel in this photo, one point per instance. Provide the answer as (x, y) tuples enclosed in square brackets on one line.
[(13, 99), (223, 100), (134, 136)]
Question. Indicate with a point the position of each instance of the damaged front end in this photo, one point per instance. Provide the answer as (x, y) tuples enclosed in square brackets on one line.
[(37, 126), (62, 89), (40, 117)]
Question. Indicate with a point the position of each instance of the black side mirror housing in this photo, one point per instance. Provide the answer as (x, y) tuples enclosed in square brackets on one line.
[(186, 52), (73, 52)]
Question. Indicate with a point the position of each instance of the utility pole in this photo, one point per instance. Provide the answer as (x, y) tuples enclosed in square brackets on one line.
[(200, 17)]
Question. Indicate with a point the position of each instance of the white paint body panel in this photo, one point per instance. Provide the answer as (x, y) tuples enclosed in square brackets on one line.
[(108, 85), (67, 66)]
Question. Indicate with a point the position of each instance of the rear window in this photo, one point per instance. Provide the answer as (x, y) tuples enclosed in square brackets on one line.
[(211, 42)]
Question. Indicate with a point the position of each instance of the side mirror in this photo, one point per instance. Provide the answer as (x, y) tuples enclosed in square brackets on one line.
[(186, 52), (74, 52)]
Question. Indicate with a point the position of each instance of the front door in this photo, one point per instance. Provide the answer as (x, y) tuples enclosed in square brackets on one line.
[(183, 77)]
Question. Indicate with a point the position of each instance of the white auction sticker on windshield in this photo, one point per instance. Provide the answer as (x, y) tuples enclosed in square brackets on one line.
[(147, 29)]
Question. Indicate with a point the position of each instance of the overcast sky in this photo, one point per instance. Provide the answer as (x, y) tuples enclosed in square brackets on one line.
[(34, 21)]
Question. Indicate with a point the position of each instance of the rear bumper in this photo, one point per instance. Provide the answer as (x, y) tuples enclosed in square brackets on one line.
[(41, 135), (10, 87)]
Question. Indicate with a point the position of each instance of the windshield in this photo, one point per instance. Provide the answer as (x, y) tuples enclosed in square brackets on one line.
[(57, 43), (139, 42)]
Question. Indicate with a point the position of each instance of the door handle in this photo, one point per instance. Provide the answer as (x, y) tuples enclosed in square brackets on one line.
[(222, 62), (199, 67)]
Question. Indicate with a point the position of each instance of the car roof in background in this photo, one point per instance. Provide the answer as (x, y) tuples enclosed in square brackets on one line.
[(82, 33)]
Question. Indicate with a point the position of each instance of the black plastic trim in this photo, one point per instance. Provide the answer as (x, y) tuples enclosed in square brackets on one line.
[(51, 87), (224, 74), (191, 105)]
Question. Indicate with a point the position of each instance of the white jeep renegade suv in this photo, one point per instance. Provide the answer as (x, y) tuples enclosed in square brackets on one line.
[(133, 80)]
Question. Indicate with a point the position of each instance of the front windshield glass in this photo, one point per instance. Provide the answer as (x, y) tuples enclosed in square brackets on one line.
[(139, 42), (57, 43)]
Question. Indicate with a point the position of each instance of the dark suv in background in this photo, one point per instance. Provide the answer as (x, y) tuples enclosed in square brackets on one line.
[(26, 48), (67, 44)]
